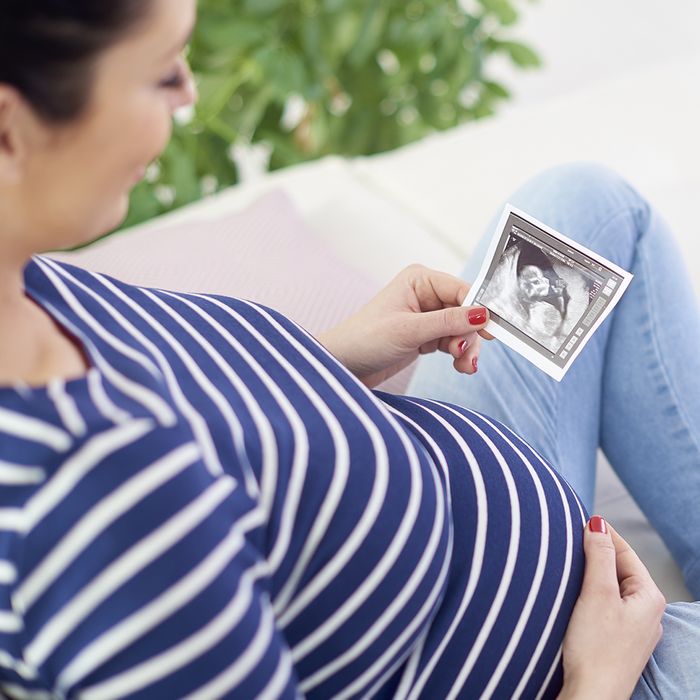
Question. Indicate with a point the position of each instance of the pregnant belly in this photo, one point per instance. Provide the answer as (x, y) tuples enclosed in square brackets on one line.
[(516, 567)]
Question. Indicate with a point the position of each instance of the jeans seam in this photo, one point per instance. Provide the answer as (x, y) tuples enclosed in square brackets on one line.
[(628, 209), (689, 573), (660, 357), (591, 244)]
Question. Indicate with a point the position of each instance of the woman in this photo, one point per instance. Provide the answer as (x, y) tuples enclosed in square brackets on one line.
[(200, 500)]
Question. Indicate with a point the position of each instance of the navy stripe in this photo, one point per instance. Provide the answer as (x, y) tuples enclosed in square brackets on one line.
[(219, 509)]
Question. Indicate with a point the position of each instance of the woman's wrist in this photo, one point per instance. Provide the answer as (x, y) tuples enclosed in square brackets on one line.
[(581, 691)]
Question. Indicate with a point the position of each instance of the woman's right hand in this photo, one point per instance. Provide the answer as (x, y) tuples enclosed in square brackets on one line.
[(616, 622)]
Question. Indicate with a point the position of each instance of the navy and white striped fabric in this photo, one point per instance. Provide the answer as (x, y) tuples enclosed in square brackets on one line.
[(218, 509)]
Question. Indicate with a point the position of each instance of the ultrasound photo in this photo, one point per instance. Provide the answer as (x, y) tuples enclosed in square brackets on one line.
[(538, 294), (546, 293)]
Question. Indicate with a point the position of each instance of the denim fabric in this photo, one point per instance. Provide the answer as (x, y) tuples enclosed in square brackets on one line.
[(634, 390)]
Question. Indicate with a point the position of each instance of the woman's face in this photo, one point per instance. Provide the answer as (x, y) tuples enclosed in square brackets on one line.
[(77, 178), (533, 283)]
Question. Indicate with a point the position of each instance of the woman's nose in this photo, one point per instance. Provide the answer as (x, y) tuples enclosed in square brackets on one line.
[(187, 95)]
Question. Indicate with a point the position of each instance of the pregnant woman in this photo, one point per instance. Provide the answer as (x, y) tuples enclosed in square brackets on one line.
[(200, 500)]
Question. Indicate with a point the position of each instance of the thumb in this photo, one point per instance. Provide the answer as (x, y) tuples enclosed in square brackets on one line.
[(600, 575), (447, 323)]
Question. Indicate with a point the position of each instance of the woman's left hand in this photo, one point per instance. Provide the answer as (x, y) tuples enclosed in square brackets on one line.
[(418, 312)]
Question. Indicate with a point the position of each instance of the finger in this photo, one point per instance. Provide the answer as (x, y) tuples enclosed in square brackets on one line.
[(630, 569), (468, 363), (437, 289), (455, 321), (486, 335), (600, 574), (459, 345)]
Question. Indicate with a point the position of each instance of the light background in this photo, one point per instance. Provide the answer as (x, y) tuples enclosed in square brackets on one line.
[(584, 41)]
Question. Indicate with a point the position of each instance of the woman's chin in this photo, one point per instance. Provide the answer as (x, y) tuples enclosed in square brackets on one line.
[(114, 218), (121, 211)]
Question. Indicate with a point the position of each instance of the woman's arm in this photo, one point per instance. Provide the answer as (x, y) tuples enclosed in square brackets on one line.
[(418, 312), (616, 623)]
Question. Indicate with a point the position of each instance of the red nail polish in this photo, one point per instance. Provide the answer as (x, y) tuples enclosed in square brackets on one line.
[(462, 347), (477, 316), (597, 524), (475, 364)]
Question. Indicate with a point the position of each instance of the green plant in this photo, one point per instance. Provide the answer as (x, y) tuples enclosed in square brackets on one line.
[(366, 76)]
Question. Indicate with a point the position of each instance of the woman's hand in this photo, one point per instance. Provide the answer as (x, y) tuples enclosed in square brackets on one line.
[(418, 312), (616, 622)]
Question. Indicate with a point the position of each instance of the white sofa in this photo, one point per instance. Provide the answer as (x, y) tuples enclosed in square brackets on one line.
[(430, 201)]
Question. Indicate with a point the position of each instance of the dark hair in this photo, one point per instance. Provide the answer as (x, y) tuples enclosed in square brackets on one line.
[(48, 48)]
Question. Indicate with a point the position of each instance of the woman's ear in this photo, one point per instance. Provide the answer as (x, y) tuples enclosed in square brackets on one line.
[(13, 113)]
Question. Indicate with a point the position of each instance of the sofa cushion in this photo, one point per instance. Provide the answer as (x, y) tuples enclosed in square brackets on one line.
[(265, 253)]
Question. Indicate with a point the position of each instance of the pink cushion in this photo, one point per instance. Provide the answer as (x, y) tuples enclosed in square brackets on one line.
[(264, 253)]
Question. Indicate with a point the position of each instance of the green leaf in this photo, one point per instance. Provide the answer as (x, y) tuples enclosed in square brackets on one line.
[(370, 34), (283, 69), (262, 7), (522, 55), (497, 90), (503, 9), (248, 56)]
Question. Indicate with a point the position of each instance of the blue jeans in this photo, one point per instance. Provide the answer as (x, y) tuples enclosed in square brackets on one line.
[(634, 390)]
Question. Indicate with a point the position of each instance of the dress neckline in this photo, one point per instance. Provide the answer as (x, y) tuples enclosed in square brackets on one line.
[(73, 335)]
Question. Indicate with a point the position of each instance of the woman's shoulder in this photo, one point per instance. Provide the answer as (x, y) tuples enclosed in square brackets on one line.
[(70, 287)]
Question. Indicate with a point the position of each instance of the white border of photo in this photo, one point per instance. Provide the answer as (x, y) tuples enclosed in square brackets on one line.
[(503, 333)]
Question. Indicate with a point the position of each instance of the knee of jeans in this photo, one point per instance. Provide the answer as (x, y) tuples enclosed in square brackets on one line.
[(581, 198), (594, 182)]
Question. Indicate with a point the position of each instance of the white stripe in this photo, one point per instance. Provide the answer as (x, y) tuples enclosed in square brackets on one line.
[(66, 408), (93, 523), (10, 623), (104, 404), (244, 665), (411, 668), (142, 621), (280, 678), (197, 422), (556, 606), (21, 426), (18, 666), (149, 399), (139, 393), (17, 692), (269, 441), (298, 467), (508, 569), (550, 673), (8, 572), (478, 551), (217, 397), (20, 475), (49, 267), (13, 520), (517, 633), (419, 620), (412, 663), (331, 569), (168, 662), (379, 573), (89, 456), (124, 568)]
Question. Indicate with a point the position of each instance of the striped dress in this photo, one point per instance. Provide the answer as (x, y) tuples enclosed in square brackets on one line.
[(219, 509)]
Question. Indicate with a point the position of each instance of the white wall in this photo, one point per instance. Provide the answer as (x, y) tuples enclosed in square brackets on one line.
[(583, 41)]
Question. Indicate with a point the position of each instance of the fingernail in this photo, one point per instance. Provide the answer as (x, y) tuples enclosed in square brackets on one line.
[(477, 316), (597, 524), (462, 347), (475, 364)]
